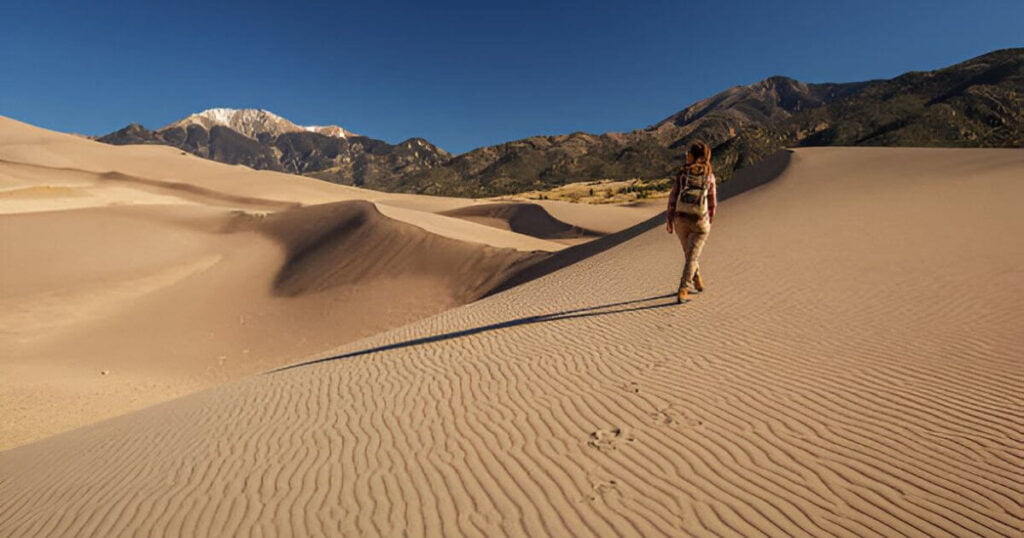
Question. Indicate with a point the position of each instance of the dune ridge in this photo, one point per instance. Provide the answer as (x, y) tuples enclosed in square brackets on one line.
[(843, 375), (119, 175), (348, 243)]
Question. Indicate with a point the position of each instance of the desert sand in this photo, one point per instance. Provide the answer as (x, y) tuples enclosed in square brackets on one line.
[(853, 369), (133, 275)]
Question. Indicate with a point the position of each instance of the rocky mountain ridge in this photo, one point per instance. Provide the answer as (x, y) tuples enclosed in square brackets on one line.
[(265, 141), (976, 103)]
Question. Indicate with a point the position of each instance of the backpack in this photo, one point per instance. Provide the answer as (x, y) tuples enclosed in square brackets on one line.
[(693, 192)]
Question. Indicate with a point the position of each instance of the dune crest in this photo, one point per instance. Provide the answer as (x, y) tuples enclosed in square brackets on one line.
[(525, 218), (349, 243)]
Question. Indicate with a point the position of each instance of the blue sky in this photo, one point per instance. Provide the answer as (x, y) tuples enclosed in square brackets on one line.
[(460, 74)]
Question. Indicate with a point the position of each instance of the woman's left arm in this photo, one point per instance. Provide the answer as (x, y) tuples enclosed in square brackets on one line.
[(671, 209)]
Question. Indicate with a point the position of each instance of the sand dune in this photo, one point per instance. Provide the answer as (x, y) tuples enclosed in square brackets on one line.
[(207, 295), (852, 370), (524, 218), (208, 271)]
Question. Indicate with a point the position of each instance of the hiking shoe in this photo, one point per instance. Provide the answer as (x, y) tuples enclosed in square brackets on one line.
[(681, 295), (697, 282)]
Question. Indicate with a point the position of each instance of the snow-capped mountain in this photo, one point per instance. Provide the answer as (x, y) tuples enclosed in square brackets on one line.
[(253, 121), (265, 141)]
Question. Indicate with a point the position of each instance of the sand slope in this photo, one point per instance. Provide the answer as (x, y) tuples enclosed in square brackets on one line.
[(207, 271), (852, 370), (205, 296)]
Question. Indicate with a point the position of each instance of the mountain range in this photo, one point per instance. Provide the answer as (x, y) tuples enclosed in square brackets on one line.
[(976, 103), (263, 140)]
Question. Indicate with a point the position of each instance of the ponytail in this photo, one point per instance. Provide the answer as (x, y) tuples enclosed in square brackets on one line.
[(698, 159)]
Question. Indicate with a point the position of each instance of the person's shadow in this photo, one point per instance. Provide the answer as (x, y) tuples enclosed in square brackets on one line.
[(590, 311)]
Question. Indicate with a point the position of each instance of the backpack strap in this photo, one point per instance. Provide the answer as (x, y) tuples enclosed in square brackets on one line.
[(705, 180)]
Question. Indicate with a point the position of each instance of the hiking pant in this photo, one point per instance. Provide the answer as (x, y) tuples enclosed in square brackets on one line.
[(692, 234)]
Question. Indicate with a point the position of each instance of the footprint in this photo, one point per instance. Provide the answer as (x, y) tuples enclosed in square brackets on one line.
[(605, 440), (663, 417), (673, 417), (601, 490)]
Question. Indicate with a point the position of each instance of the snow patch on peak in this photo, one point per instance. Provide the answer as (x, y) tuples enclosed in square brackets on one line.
[(226, 116), (219, 115), (252, 122), (329, 130)]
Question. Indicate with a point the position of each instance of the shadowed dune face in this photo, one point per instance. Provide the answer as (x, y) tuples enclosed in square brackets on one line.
[(852, 369), (350, 243), (524, 218)]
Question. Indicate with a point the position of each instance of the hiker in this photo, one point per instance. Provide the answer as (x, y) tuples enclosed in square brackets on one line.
[(691, 208)]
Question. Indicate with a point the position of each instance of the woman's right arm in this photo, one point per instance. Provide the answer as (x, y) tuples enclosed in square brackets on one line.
[(670, 210)]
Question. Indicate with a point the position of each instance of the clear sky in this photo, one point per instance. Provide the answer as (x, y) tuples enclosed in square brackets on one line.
[(460, 74)]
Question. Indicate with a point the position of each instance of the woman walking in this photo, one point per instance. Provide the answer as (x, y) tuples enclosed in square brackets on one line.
[(691, 208)]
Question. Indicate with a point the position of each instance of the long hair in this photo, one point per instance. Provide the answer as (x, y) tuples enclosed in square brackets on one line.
[(698, 159)]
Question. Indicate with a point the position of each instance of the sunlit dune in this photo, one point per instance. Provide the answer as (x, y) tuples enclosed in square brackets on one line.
[(853, 368)]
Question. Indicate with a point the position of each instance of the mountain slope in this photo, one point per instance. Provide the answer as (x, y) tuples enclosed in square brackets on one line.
[(977, 103), (266, 141), (546, 161)]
